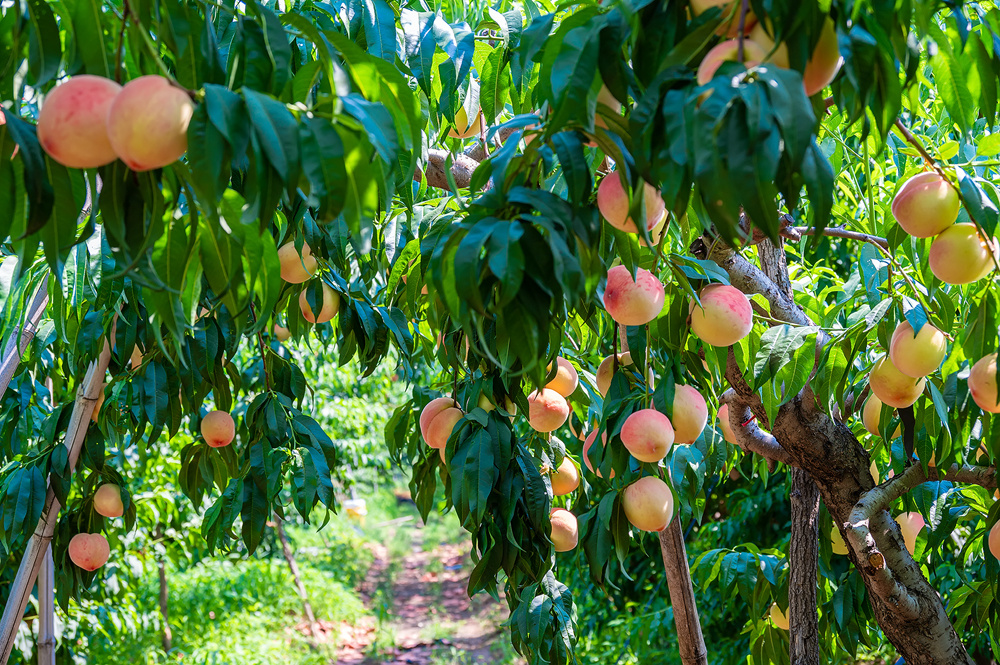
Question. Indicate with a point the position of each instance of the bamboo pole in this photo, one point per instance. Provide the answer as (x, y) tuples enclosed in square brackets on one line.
[(21, 337), (46, 611), (27, 573)]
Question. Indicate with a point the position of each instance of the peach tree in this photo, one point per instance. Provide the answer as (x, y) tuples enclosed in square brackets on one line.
[(582, 231)]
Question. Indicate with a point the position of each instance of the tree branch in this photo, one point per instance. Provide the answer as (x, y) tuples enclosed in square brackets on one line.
[(834, 232), (912, 140), (749, 436), (462, 168)]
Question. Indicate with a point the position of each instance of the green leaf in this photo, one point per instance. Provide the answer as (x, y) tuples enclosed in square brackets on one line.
[(380, 29), (495, 82), (90, 36), (44, 47)]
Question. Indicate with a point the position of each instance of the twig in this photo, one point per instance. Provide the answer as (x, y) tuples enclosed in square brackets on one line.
[(260, 343), (834, 232), (742, 28), (912, 140), (119, 52)]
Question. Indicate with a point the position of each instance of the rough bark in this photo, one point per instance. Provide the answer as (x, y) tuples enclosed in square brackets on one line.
[(691, 642), (286, 550), (436, 172), (906, 606), (803, 558)]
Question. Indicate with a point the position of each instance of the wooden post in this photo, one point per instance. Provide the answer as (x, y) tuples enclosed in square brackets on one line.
[(690, 641), (286, 549), (27, 573), (46, 611)]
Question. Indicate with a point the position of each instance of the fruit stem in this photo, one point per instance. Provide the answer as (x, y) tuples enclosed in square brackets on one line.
[(742, 29), (912, 140)]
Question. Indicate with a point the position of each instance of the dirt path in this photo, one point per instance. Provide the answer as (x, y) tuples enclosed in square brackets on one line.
[(424, 615)]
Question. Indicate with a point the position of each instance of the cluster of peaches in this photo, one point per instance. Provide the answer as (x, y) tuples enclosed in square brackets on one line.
[(90, 121)]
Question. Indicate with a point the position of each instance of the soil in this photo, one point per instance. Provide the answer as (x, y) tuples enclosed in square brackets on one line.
[(430, 618)]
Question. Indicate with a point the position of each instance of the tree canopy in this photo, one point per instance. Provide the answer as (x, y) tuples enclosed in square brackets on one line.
[(331, 167)]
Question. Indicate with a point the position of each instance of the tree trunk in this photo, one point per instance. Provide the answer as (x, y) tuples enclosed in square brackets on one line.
[(168, 636), (803, 561), (286, 549), (907, 608), (690, 641)]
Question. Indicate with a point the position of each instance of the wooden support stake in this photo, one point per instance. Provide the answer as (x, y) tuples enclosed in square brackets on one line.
[(690, 641)]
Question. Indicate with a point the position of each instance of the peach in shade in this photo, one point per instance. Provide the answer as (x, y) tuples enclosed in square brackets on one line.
[(633, 302)]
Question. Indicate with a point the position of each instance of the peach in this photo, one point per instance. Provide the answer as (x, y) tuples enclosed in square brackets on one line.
[(753, 55), (218, 428), (730, 11), (72, 123), (873, 469), (725, 426), (296, 268), (433, 408), (566, 478), (656, 233), (633, 302), (778, 618), (148, 122), (910, 524), (108, 500), (89, 551), (925, 205), (547, 410), (823, 65), (917, 355), (995, 540), (329, 309), (464, 129), (613, 202), (837, 543), (724, 316), (648, 435), (961, 255), (588, 442), (605, 98), (892, 386), (689, 415), (983, 383), (648, 504), (565, 534), (871, 416), (440, 427), (281, 333), (566, 379), (605, 371)]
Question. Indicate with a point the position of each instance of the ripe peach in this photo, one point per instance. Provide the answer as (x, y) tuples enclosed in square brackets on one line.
[(331, 305), (464, 129), (440, 427), (725, 426), (837, 543), (613, 202), (823, 65), (910, 524), (295, 268), (633, 302), (89, 551), (605, 371), (566, 478), (218, 428), (753, 55), (72, 123), (961, 255), (108, 500), (871, 415), (148, 122), (565, 534), (731, 11), (648, 504), (547, 410), (281, 333), (892, 386), (605, 98), (656, 233), (778, 618), (433, 408), (566, 379), (648, 435), (925, 205), (917, 355), (588, 442), (690, 414), (983, 383), (995, 540), (724, 316), (873, 469)]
